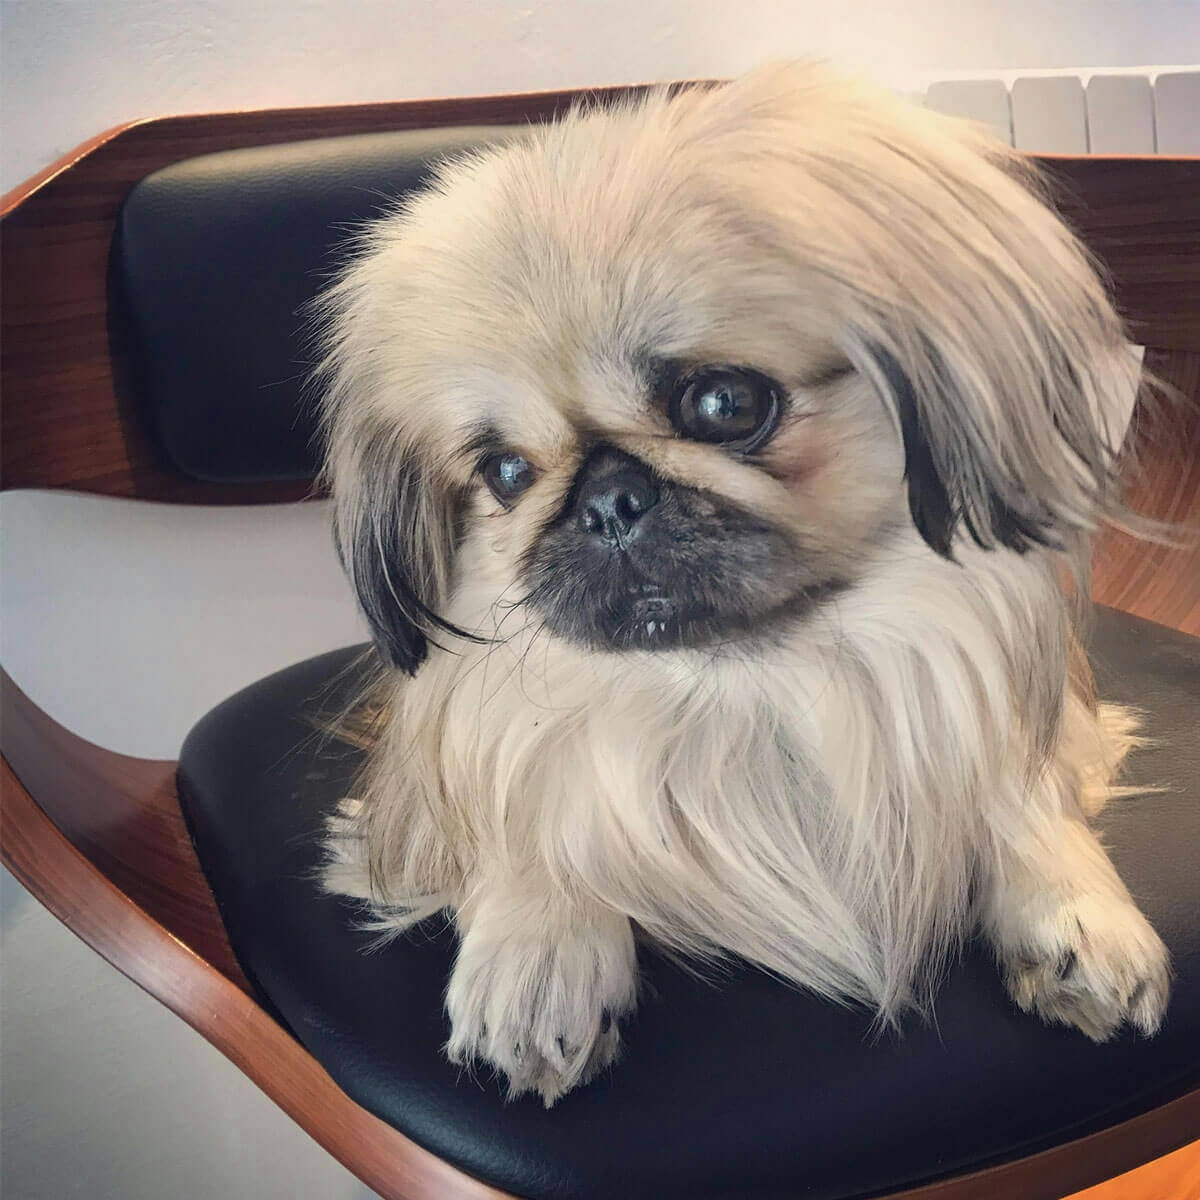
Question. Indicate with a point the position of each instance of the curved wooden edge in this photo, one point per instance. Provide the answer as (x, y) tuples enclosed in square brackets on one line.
[(68, 422), (1158, 580), (1075, 1165), (316, 121), (81, 895), (18, 195), (1053, 156), (68, 418), (1176, 1175), (123, 815), (58, 377), (76, 892)]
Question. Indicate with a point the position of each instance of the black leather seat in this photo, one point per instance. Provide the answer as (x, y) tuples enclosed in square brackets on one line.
[(738, 1088)]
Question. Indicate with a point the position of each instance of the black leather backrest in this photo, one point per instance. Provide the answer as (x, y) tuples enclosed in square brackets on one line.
[(214, 262)]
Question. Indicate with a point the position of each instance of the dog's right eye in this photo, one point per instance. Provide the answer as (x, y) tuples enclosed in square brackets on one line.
[(735, 407), (507, 475)]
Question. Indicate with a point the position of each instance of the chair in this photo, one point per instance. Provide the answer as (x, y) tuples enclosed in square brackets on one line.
[(151, 282)]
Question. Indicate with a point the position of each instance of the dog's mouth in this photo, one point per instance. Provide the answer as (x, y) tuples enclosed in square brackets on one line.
[(649, 617), (653, 618), (641, 616), (694, 570), (613, 603)]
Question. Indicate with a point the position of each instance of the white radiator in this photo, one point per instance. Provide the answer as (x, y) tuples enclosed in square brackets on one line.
[(1147, 111)]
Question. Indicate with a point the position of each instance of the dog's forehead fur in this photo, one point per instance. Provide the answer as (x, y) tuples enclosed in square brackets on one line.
[(536, 288)]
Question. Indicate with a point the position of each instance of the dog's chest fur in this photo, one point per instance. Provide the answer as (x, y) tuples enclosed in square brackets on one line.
[(814, 803)]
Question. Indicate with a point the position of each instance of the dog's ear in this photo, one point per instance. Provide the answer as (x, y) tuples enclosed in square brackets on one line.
[(396, 529), (397, 512), (988, 332), (1012, 475), (958, 291)]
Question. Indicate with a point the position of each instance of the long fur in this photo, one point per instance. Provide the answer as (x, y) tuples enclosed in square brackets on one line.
[(842, 798)]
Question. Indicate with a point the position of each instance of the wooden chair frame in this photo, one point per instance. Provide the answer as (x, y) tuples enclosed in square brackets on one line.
[(99, 838)]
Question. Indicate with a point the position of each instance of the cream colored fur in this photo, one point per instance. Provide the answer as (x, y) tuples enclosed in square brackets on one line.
[(843, 798)]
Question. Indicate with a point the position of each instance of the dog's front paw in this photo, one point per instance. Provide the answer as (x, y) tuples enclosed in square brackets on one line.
[(1093, 962), (543, 1010)]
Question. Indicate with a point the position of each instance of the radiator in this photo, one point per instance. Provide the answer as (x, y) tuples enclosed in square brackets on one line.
[(1142, 111)]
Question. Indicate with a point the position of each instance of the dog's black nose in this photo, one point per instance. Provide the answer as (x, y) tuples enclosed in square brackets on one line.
[(613, 491)]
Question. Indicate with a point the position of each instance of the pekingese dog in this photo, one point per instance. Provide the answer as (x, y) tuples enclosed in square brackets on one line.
[(713, 470)]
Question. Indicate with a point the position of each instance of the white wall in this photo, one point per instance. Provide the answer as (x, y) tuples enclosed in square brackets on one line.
[(105, 1094), (74, 67)]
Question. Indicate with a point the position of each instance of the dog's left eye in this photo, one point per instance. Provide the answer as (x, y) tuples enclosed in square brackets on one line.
[(507, 475), (733, 406)]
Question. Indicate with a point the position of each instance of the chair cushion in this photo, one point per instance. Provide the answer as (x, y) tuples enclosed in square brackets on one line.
[(744, 1088), (212, 246)]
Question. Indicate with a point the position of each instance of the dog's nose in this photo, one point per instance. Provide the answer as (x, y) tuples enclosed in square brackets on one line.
[(613, 492)]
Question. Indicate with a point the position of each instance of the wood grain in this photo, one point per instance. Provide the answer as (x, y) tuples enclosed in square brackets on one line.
[(107, 850), (123, 815), (1140, 217), (1158, 580), (67, 420)]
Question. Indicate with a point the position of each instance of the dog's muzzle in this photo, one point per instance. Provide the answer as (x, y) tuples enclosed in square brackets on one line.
[(635, 561)]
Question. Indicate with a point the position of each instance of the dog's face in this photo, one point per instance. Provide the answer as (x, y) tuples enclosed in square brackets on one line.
[(664, 457), (673, 374)]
